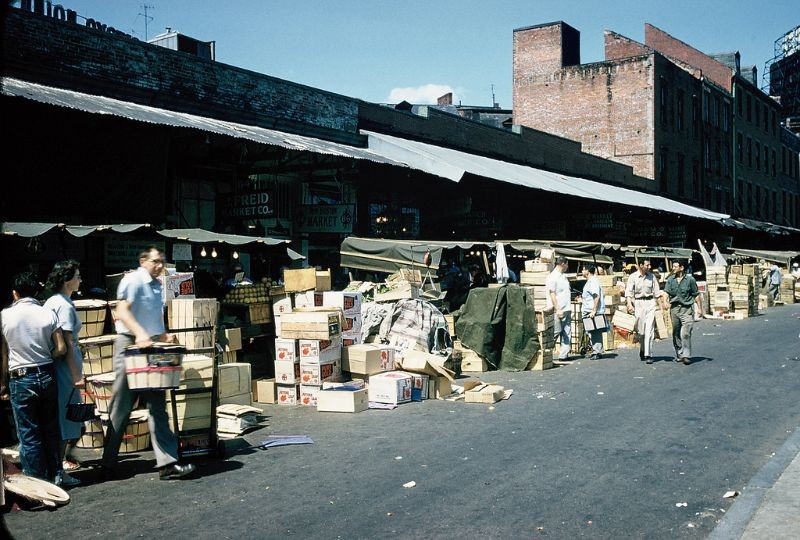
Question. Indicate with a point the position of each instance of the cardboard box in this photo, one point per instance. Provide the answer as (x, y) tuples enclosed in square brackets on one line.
[(304, 299), (367, 359), (320, 350), (198, 371), (340, 400), (308, 395), (352, 324), (192, 411), (281, 304), (471, 361), (245, 398), (287, 350), (230, 357), (299, 280), (348, 301), (324, 280), (232, 339), (265, 391), (533, 278), (287, 371), (393, 387), (351, 339), (177, 285), (439, 387), (277, 322), (422, 362), (480, 392), (314, 373), (233, 379), (419, 386), (310, 325), (353, 384), (402, 291), (288, 394), (624, 321)]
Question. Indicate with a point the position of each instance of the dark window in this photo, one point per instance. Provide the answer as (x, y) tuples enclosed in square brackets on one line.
[(664, 104), (681, 176), (739, 101), (766, 159), (695, 115), (758, 156), (726, 116), (774, 123), (749, 108), (758, 114), (696, 179), (749, 152), (717, 159), (705, 107), (717, 110), (774, 162), (679, 110), (739, 149), (663, 172), (707, 154)]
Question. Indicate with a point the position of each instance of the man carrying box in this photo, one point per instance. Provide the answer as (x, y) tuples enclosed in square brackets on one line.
[(140, 321)]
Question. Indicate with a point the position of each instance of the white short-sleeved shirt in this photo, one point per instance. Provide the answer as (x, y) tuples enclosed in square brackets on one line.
[(147, 306), (68, 319), (28, 329), (591, 289), (558, 283)]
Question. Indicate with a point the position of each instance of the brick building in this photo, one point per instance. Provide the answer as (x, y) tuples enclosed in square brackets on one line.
[(663, 108)]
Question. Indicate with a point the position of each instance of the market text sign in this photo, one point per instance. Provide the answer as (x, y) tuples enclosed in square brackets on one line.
[(324, 218), (245, 206), (60, 13)]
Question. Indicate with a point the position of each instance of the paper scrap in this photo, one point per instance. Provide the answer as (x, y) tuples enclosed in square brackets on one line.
[(285, 440), (730, 494), (681, 504), (409, 484)]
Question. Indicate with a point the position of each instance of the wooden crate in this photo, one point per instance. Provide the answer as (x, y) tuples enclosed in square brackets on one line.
[(543, 360), (259, 313), (193, 313), (310, 325), (471, 361)]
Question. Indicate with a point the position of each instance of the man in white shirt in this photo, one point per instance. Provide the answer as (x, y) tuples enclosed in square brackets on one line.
[(559, 298), (641, 293)]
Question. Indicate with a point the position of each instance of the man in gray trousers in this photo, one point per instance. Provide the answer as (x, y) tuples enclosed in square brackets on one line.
[(140, 321), (682, 292)]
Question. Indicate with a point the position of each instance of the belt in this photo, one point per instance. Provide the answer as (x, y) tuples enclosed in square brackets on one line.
[(28, 370), (645, 298)]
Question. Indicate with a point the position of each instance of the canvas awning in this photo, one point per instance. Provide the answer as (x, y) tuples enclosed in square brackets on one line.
[(208, 237), (28, 230), (154, 115), (453, 164), (783, 257)]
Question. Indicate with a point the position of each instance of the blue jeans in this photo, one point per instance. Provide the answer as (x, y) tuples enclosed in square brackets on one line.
[(34, 400)]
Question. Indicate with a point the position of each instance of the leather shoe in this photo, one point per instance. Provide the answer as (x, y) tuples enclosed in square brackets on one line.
[(648, 359), (175, 471), (685, 361)]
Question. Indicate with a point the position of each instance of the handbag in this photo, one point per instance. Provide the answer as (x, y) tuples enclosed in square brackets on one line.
[(79, 412)]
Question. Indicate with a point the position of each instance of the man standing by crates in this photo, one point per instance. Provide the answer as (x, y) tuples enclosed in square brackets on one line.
[(681, 289), (559, 298), (140, 321), (640, 295)]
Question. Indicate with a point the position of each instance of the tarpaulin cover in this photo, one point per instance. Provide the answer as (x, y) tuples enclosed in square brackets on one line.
[(773, 256), (499, 323), (203, 236), (28, 230)]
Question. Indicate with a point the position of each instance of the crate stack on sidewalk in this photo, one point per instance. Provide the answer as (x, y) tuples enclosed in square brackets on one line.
[(744, 291), (534, 277), (719, 297)]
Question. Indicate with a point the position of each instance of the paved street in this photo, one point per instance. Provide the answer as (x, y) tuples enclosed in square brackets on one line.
[(598, 449)]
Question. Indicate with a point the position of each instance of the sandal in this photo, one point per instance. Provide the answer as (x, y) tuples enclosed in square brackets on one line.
[(70, 466)]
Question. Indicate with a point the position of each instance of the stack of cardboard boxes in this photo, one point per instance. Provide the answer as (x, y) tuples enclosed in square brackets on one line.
[(717, 287), (743, 289)]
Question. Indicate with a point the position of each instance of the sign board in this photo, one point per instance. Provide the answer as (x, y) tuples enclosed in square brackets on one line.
[(123, 253), (246, 206), (182, 252), (325, 218)]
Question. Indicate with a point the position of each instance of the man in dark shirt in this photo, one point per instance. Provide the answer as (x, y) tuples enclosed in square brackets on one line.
[(681, 289)]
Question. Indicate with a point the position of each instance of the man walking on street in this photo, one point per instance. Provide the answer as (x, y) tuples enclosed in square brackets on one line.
[(681, 288), (140, 321), (558, 298), (640, 295), (774, 281), (31, 340)]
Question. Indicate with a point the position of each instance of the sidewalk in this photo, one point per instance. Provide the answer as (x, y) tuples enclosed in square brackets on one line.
[(767, 508)]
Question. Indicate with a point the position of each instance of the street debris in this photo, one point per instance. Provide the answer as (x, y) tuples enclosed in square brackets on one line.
[(398, 457), (681, 504), (730, 494), (601, 393), (285, 440), (409, 484)]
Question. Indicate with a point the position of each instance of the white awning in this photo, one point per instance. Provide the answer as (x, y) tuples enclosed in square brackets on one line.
[(29, 230), (453, 164), (134, 111)]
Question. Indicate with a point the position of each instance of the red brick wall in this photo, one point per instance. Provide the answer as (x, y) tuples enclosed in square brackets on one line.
[(667, 45), (545, 48), (618, 46)]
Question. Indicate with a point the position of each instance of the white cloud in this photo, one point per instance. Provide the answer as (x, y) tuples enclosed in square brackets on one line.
[(421, 95)]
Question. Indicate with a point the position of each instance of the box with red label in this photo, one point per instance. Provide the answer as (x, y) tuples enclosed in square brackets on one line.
[(304, 299), (347, 301), (288, 394), (314, 374), (319, 299), (354, 339), (287, 372), (367, 359), (308, 395), (177, 285), (419, 388), (352, 324), (393, 387), (287, 350), (321, 350), (281, 304)]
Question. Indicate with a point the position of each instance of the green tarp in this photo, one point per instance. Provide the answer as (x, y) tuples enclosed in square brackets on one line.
[(499, 323)]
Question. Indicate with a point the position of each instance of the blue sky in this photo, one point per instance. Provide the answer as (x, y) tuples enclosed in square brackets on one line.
[(386, 51)]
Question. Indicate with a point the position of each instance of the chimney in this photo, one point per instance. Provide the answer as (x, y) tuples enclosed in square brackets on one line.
[(738, 59), (545, 48), (446, 99)]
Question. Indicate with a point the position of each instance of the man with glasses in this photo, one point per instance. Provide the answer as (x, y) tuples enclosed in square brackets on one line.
[(681, 289), (641, 293), (140, 321)]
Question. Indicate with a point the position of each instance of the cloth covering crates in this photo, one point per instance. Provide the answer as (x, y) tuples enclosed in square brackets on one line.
[(92, 314), (98, 354)]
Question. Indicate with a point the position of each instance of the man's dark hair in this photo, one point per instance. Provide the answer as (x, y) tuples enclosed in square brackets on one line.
[(561, 260), (591, 268), (681, 262), (146, 251), (26, 284)]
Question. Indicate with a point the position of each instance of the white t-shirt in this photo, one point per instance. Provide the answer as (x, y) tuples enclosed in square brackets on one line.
[(28, 330), (558, 283)]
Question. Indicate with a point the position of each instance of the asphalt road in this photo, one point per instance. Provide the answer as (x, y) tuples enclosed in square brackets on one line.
[(599, 449)]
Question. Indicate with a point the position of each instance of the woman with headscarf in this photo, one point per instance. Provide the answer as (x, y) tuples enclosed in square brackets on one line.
[(65, 280)]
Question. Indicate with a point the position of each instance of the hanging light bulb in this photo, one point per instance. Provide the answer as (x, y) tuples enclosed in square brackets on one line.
[(235, 254), (203, 252), (213, 252)]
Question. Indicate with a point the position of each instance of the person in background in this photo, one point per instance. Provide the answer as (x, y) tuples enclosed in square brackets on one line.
[(796, 270), (31, 340), (640, 295), (593, 304), (558, 298), (478, 277), (681, 298), (774, 281), (237, 276), (140, 321), (65, 280)]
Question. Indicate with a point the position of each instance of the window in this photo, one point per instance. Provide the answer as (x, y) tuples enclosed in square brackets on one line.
[(774, 123), (750, 198), (774, 210), (766, 119), (766, 159), (774, 162), (783, 159), (707, 154), (663, 170), (679, 111), (758, 114), (695, 115), (705, 106), (739, 101), (664, 104), (716, 110), (749, 152), (726, 116), (758, 156), (749, 108), (695, 179), (681, 176), (739, 149), (717, 159), (726, 165)]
